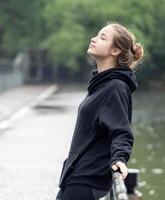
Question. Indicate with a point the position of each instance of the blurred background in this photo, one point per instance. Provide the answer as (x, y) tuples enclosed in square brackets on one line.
[(44, 72)]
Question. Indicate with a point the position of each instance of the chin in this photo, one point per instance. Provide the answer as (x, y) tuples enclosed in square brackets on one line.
[(91, 56), (90, 52)]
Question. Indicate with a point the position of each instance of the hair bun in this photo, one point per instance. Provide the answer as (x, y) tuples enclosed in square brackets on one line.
[(137, 51)]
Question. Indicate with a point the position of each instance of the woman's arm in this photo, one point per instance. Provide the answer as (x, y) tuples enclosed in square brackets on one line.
[(114, 117)]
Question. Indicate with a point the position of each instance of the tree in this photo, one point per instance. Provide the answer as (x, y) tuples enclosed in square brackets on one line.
[(65, 27), (21, 24)]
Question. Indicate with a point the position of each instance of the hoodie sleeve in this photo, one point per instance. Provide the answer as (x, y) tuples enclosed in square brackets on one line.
[(114, 118)]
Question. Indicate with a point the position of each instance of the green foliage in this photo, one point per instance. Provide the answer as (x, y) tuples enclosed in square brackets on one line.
[(21, 23), (66, 26), (65, 44)]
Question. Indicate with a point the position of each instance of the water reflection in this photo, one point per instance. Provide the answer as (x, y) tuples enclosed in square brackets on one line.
[(148, 153)]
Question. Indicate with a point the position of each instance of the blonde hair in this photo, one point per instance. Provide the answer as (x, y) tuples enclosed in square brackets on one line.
[(131, 51)]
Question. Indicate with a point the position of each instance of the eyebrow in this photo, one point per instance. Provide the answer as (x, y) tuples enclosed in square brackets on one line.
[(102, 34)]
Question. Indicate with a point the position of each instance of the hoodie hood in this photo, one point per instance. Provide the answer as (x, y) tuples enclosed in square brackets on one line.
[(123, 73)]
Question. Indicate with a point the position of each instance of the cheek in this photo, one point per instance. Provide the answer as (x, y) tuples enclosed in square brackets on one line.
[(103, 50)]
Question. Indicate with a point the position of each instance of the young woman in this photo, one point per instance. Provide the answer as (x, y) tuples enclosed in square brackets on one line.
[(102, 140)]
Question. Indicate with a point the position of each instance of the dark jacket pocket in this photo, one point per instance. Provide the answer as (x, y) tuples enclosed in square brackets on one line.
[(63, 166), (68, 166)]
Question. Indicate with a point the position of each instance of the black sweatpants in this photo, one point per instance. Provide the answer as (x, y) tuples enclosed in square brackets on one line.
[(80, 192)]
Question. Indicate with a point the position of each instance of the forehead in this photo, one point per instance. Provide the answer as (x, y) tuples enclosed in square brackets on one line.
[(107, 30)]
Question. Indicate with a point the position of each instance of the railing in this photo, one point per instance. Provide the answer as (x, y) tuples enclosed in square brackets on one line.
[(124, 189), (12, 72), (119, 191)]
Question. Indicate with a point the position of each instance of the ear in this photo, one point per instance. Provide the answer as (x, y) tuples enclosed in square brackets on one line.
[(115, 51)]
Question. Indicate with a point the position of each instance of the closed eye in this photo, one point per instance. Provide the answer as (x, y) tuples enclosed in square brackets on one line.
[(102, 35)]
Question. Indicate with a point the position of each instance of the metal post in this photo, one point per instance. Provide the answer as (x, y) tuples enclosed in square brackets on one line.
[(124, 189), (119, 189), (131, 182)]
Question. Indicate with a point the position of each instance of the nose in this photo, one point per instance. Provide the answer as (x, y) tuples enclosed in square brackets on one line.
[(93, 39)]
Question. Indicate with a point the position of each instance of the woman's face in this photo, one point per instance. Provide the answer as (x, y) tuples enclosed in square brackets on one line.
[(101, 44)]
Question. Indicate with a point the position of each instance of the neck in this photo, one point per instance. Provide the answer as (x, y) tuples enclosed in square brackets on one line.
[(104, 64)]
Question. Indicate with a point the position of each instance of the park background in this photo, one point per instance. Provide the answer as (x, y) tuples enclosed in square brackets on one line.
[(45, 42)]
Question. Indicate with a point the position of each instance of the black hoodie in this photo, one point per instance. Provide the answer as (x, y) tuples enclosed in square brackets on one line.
[(102, 134)]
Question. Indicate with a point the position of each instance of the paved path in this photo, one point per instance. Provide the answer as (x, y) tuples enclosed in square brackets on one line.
[(32, 150), (15, 98)]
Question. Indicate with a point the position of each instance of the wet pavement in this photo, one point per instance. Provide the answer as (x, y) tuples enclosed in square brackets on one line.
[(15, 98), (34, 146)]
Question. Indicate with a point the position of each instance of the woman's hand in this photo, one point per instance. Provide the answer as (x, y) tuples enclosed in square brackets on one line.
[(121, 167)]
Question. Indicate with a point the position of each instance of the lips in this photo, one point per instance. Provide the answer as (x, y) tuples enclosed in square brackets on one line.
[(92, 46)]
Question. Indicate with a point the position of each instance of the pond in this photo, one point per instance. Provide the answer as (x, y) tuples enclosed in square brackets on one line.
[(148, 151)]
